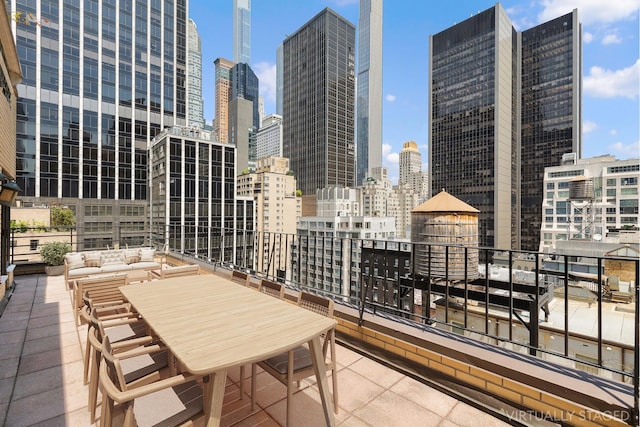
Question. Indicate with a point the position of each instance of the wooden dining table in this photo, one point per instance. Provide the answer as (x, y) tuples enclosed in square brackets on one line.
[(211, 324)]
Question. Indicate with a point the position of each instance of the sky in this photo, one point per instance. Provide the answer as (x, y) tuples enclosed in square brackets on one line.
[(610, 60)]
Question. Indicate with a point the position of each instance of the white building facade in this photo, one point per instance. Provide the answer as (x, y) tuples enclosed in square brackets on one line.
[(269, 137), (590, 199)]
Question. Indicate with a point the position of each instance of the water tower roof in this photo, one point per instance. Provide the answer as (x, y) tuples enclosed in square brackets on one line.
[(444, 202)]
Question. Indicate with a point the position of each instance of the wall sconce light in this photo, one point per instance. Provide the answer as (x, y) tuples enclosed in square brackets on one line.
[(8, 190)]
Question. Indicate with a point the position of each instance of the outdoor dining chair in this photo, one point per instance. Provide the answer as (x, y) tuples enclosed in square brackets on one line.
[(295, 365), (271, 288), (171, 401), (126, 333)]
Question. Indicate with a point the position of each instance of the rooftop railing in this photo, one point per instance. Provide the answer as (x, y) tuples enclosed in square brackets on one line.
[(558, 306)]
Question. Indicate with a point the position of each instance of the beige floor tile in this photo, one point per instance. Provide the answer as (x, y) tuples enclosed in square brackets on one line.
[(427, 397), (376, 372), (464, 415), (348, 381), (404, 413)]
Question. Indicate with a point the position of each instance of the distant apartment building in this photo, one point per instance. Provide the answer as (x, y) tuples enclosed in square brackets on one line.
[(101, 80), (242, 31), (223, 96), (594, 199), (379, 198), (273, 190), (269, 137), (503, 106), (195, 103), (193, 196), (319, 103), (327, 253), (369, 92), (411, 174)]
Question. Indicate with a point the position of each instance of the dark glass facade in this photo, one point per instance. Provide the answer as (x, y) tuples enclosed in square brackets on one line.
[(497, 120), (244, 84), (103, 96), (193, 195), (319, 102), (550, 106)]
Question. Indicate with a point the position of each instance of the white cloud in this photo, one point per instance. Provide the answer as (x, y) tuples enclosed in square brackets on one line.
[(613, 132), (390, 97), (389, 156), (590, 11), (611, 39), (587, 37), (588, 126), (601, 83), (630, 151), (266, 73)]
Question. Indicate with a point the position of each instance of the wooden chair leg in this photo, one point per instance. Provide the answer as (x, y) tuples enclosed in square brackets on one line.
[(254, 371), (87, 360), (242, 382), (93, 387), (289, 388)]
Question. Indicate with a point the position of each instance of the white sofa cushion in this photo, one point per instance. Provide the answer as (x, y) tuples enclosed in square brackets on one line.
[(92, 259), (111, 268), (132, 255), (147, 254), (74, 260), (83, 271), (110, 258)]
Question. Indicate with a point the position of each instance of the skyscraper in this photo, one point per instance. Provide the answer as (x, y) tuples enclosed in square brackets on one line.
[(551, 118), (319, 91), (244, 116), (195, 103), (223, 96), (369, 108), (410, 161), (503, 105), (242, 31), (101, 79)]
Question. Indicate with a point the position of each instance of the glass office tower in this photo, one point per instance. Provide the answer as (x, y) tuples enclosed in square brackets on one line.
[(319, 101), (503, 106), (102, 78), (369, 94), (242, 31), (195, 103), (551, 111)]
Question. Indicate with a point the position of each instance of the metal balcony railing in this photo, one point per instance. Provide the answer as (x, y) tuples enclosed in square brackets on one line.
[(502, 297)]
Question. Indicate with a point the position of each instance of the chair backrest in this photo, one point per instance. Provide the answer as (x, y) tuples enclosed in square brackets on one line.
[(239, 277), (180, 270), (114, 369), (316, 303), (99, 288), (271, 288)]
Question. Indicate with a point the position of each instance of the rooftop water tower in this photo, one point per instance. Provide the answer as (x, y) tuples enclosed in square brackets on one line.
[(446, 226)]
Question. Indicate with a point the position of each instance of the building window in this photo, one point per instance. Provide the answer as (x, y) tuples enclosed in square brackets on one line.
[(33, 244)]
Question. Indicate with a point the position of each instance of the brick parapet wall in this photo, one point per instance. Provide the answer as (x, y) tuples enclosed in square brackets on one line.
[(535, 389)]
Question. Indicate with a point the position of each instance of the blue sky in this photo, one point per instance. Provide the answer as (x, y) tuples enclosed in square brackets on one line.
[(611, 64)]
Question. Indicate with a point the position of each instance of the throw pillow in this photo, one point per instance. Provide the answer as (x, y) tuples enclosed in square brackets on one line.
[(74, 260), (132, 255), (147, 254), (111, 258), (92, 259)]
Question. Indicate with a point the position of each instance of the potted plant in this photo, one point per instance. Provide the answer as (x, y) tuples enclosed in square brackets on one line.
[(53, 254)]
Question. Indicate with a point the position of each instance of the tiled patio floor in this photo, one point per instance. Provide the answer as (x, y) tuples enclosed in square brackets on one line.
[(41, 384)]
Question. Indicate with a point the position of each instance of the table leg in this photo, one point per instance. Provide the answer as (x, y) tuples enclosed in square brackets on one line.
[(213, 396), (315, 348)]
